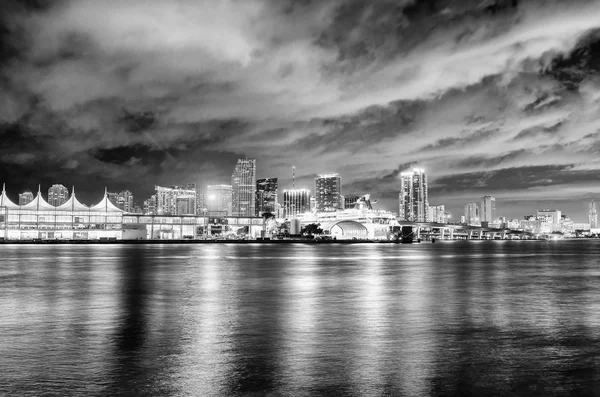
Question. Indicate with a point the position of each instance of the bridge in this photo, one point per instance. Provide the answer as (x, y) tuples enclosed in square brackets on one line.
[(458, 231)]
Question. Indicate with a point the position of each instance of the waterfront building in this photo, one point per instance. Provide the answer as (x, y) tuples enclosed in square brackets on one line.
[(550, 220), (328, 192), (25, 198), (266, 196), (413, 196), (581, 226), (437, 213), (488, 209), (104, 221), (243, 185), (200, 200), (593, 216), (295, 202), (463, 219), (472, 214), (57, 195), (218, 199), (166, 198)]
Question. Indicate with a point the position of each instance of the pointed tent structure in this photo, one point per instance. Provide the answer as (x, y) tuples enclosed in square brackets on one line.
[(72, 204), (5, 201), (38, 203), (105, 205)]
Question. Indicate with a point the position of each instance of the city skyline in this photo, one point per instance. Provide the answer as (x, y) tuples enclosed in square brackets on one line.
[(366, 90)]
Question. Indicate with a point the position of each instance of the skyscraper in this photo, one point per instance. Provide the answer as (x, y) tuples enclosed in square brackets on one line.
[(472, 214), (413, 197), (593, 216), (150, 205), (437, 214), (57, 195), (266, 196), (125, 201), (296, 201), (25, 198), (218, 199), (488, 209), (243, 185), (328, 192)]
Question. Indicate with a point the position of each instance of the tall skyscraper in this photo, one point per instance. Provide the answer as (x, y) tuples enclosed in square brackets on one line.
[(488, 209), (243, 184), (472, 214), (437, 214), (218, 199), (296, 201), (25, 198), (266, 196), (413, 197), (593, 216), (125, 201), (166, 198), (328, 192), (57, 195)]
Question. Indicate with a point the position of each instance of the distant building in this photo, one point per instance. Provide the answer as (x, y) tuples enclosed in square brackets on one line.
[(113, 197), (593, 216), (25, 198), (296, 201), (413, 197), (58, 195), (125, 201), (150, 205), (463, 219), (437, 214), (243, 185), (358, 201), (219, 198), (186, 205), (488, 209), (266, 196), (550, 220), (328, 192), (166, 198), (472, 214), (200, 200)]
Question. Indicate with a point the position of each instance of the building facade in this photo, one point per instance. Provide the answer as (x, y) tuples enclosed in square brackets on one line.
[(328, 193), (218, 199), (593, 216), (243, 185), (57, 195), (166, 198), (437, 214), (125, 201), (549, 219), (150, 205), (413, 197), (295, 202), (488, 209), (266, 196), (25, 198), (472, 214)]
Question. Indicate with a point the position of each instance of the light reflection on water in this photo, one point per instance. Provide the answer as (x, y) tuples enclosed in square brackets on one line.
[(518, 318)]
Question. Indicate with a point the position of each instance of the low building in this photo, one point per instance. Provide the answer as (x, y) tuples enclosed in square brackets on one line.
[(345, 230)]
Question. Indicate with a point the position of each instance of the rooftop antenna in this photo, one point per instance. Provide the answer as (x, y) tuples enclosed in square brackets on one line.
[(293, 176)]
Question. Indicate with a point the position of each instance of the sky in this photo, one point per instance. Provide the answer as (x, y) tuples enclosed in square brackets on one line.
[(490, 97)]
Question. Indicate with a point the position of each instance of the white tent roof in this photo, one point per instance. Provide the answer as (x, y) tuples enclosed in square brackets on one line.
[(105, 206), (5, 201), (38, 204), (72, 204)]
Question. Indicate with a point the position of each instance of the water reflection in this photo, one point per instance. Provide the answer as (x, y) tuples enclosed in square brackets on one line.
[(517, 318)]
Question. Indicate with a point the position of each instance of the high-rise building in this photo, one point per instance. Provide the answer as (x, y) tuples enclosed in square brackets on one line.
[(328, 192), (125, 201), (266, 196), (57, 195), (593, 216), (25, 198), (472, 214), (358, 201), (437, 214), (295, 202), (488, 209), (186, 205), (243, 185), (200, 200), (150, 205), (413, 197), (166, 198), (218, 199)]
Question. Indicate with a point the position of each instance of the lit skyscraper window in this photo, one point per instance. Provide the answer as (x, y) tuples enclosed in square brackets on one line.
[(243, 184), (328, 193)]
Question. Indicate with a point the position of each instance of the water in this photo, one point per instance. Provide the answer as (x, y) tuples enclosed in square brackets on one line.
[(472, 318)]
